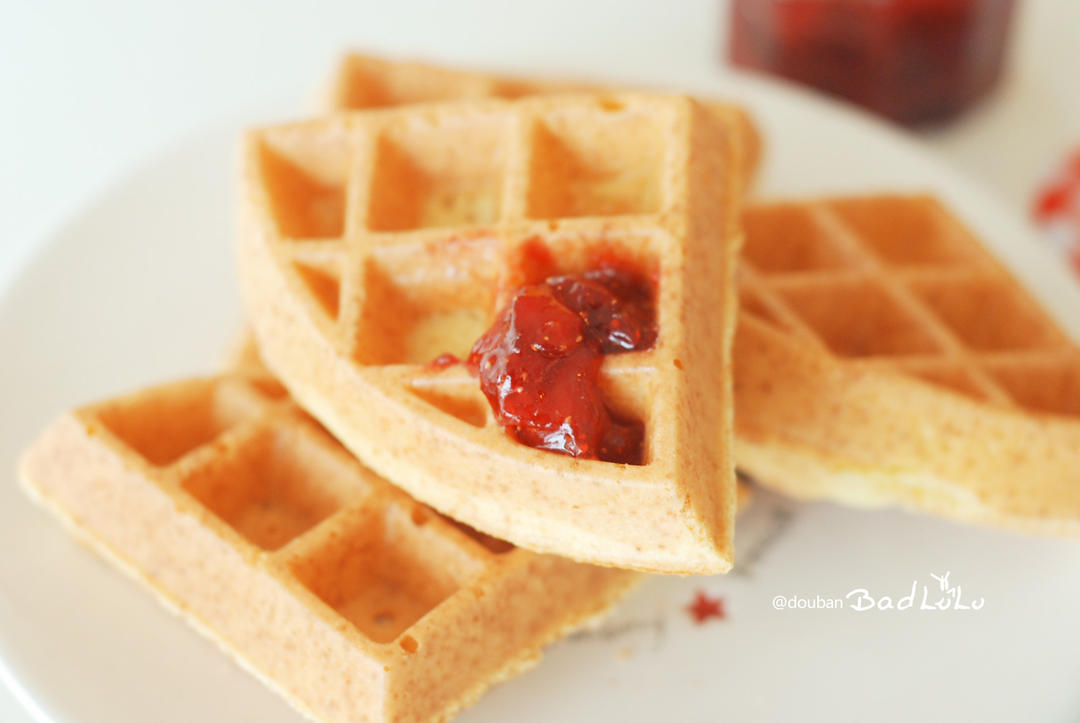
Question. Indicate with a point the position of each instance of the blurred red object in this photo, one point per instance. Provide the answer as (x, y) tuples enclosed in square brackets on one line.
[(1056, 209), (915, 61)]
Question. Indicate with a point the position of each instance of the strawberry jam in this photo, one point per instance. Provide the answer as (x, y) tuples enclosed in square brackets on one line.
[(539, 364)]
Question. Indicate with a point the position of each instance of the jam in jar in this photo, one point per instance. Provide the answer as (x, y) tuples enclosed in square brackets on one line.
[(914, 61)]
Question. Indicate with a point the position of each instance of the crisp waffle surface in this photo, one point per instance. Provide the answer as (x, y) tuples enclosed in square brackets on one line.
[(366, 81), (349, 598), (373, 242), (885, 357)]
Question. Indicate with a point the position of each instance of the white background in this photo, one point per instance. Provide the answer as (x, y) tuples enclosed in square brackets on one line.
[(90, 89)]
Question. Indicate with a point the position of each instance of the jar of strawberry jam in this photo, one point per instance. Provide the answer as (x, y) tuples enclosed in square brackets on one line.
[(915, 61)]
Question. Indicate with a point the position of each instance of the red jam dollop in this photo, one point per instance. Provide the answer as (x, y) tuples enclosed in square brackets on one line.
[(539, 363)]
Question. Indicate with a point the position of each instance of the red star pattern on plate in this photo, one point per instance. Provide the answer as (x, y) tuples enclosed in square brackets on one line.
[(704, 608)]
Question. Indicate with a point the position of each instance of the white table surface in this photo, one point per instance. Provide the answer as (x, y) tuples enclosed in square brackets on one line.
[(88, 90)]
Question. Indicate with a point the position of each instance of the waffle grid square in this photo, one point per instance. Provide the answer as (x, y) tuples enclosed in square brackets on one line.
[(900, 283)]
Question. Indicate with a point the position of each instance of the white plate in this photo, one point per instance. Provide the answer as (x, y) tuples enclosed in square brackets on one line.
[(139, 288)]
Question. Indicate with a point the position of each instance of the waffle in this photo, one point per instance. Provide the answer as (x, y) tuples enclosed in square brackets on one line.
[(336, 589), (372, 242), (366, 81), (884, 357), (242, 355), (363, 82)]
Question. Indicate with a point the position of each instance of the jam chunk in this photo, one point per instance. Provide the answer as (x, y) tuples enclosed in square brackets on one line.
[(539, 364), (616, 308)]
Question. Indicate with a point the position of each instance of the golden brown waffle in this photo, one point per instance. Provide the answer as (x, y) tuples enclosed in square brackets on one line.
[(373, 242), (242, 355), (365, 81), (885, 357), (339, 591)]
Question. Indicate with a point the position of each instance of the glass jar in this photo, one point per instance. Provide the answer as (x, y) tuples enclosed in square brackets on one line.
[(915, 61)]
